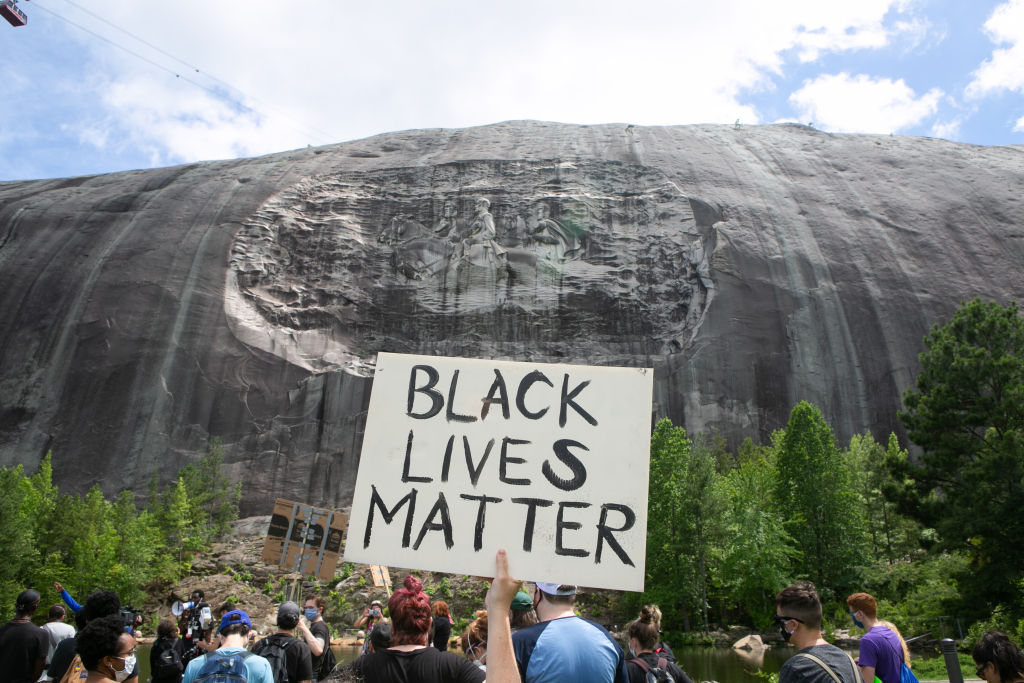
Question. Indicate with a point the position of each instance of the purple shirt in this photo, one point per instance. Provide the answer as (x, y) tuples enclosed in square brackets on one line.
[(881, 649)]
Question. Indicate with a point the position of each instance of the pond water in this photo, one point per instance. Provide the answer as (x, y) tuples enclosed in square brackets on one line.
[(701, 663)]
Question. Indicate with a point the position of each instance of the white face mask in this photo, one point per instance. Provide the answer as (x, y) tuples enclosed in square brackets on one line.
[(129, 667)]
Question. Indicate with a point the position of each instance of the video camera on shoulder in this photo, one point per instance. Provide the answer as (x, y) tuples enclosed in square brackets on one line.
[(132, 618)]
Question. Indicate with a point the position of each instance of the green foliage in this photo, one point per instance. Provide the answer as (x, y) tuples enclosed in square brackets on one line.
[(199, 507), (934, 668), (338, 602), (1000, 620), (814, 492), (89, 542), (912, 593), (686, 505), (757, 559), (891, 535), (966, 412), (346, 570)]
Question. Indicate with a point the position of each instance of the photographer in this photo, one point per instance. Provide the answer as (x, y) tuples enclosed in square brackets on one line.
[(370, 617), (195, 625)]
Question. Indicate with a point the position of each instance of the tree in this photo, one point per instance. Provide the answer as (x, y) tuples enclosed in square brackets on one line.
[(756, 561), (891, 535), (814, 493), (684, 525), (966, 412)]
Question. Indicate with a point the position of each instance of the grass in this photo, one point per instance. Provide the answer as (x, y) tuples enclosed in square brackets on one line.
[(934, 668)]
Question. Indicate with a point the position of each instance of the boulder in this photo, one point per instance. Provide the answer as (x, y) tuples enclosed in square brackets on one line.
[(752, 642)]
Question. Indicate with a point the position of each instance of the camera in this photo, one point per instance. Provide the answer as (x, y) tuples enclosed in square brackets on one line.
[(132, 618)]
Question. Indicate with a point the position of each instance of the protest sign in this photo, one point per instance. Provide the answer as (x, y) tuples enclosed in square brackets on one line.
[(463, 456), (381, 577), (304, 538)]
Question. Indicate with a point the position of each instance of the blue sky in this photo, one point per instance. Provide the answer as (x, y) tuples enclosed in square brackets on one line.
[(112, 85)]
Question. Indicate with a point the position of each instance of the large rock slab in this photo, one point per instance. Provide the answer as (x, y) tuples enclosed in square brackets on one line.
[(146, 312)]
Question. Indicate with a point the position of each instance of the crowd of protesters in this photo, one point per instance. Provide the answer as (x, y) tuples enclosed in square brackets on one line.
[(529, 636)]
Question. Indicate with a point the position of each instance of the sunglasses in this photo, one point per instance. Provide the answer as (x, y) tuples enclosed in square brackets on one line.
[(780, 620), (980, 671)]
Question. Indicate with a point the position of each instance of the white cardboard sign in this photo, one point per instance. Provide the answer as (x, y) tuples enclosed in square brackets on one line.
[(464, 456)]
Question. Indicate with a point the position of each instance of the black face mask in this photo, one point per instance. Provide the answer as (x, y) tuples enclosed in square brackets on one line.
[(781, 621)]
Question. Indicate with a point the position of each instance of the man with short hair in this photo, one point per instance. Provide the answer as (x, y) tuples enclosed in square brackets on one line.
[(316, 635), (563, 646), (881, 650), (298, 659), (23, 645), (195, 639), (56, 631), (798, 616), (234, 636)]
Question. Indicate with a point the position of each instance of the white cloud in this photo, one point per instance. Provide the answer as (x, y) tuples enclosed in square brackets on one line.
[(947, 130), (355, 69), (1019, 127), (859, 104), (1004, 70)]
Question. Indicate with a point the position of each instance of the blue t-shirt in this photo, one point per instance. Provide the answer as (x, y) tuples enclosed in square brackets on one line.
[(568, 650), (881, 648), (257, 667)]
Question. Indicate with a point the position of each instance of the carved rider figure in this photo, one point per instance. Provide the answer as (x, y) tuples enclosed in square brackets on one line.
[(446, 224), (561, 243), (482, 235)]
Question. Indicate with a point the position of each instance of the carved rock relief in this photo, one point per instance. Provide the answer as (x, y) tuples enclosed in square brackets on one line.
[(545, 259)]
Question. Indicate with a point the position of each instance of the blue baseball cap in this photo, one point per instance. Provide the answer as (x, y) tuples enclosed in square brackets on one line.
[(556, 588), (233, 617)]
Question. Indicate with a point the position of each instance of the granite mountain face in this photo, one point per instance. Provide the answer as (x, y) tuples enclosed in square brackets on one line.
[(149, 311)]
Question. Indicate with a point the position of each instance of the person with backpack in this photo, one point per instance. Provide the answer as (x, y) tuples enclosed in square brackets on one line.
[(231, 662), (798, 616), (165, 659), (647, 665), (289, 657), (881, 648)]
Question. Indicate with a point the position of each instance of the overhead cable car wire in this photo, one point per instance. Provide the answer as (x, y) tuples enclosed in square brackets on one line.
[(326, 137)]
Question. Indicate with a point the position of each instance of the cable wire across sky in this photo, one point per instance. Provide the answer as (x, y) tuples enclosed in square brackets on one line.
[(242, 98)]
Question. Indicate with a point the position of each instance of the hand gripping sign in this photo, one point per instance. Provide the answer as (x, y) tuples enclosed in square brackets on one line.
[(464, 456)]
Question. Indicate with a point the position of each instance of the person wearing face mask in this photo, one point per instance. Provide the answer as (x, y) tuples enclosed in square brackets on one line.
[(99, 604), (474, 640), (798, 616), (317, 637), (999, 659), (644, 640), (107, 651), (881, 649)]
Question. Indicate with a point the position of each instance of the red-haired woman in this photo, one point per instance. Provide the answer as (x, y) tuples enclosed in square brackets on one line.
[(442, 625), (409, 658)]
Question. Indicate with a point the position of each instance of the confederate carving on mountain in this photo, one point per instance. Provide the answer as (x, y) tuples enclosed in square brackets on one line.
[(521, 254)]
